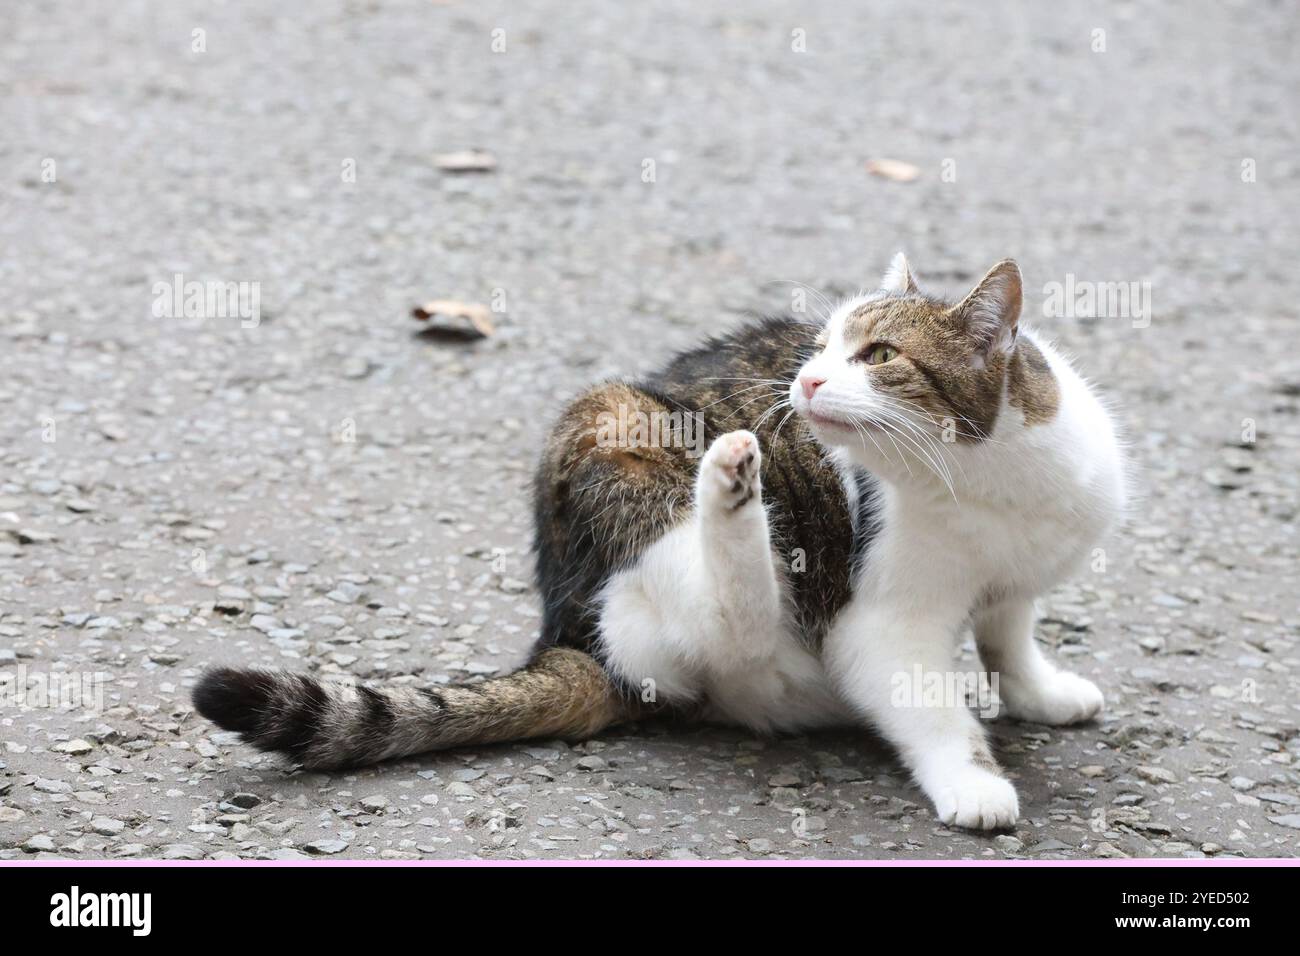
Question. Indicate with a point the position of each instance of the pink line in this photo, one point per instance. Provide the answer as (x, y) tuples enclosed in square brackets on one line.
[(1147, 862)]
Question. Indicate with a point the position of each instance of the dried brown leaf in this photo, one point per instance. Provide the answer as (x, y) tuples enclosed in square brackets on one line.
[(456, 320), (895, 169), (466, 161)]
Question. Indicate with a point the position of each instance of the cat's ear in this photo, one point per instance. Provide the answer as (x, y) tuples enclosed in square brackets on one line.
[(990, 312), (899, 279)]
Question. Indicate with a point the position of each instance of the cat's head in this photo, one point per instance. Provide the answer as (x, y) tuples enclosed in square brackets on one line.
[(899, 370)]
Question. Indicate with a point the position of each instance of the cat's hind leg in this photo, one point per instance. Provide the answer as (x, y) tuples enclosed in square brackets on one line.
[(701, 615), (760, 673), (734, 539)]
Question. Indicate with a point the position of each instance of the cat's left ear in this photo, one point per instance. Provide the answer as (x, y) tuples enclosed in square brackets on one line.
[(991, 311), (899, 279)]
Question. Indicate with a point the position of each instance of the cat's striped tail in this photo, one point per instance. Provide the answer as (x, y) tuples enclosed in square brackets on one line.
[(324, 725)]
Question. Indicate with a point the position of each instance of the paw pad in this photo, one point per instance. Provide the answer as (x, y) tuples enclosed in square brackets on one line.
[(735, 460)]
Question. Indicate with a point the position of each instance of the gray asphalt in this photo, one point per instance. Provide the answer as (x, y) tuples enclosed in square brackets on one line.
[(178, 492)]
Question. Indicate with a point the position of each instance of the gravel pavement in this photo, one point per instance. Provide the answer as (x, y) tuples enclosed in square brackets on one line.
[(310, 484)]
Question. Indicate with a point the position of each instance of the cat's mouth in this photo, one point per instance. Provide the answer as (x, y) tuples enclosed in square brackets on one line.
[(826, 421), (844, 426)]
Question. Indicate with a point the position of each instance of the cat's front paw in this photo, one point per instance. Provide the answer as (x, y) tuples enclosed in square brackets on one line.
[(1062, 699), (976, 799), (729, 471)]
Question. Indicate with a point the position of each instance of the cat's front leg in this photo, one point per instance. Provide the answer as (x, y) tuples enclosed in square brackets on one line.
[(884, 659), (1030, 687)]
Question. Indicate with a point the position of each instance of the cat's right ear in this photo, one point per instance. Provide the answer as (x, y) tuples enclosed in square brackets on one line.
[(899, 280), (991, 311)]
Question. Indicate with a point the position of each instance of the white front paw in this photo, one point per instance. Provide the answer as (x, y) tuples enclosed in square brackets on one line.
[(976, 799), (1064, 698)]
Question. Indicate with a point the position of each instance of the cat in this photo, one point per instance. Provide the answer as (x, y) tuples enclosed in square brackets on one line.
[(875, 483)]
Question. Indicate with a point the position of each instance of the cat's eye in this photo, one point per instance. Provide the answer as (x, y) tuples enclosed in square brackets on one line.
[(880, 354)]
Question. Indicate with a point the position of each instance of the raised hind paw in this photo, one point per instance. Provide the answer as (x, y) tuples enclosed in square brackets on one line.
[(728, 478)]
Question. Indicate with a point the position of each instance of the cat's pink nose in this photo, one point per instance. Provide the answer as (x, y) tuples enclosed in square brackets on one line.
[(810, 384)]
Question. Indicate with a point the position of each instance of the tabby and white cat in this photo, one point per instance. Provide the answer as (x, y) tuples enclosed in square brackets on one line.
[(931, 467)]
